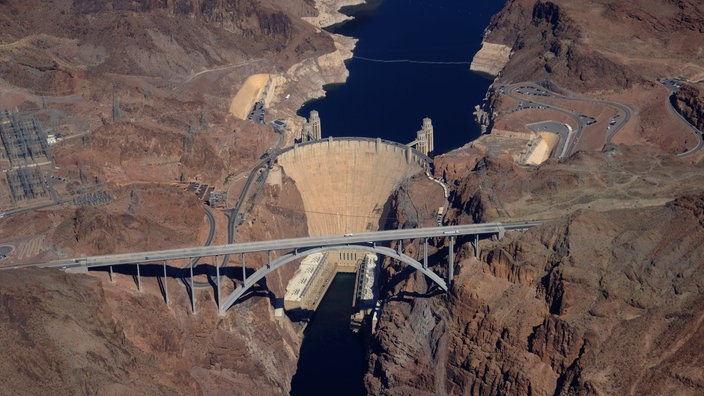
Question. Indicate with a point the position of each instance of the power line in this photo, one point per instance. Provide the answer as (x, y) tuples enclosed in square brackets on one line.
[(411, 61)]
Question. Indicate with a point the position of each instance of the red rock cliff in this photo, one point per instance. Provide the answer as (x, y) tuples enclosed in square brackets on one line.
[(595, 303)]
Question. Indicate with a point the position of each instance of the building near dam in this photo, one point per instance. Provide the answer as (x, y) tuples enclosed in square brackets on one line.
[(366, 293), (307, 287)]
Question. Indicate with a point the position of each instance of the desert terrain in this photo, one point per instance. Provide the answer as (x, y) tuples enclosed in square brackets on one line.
[(148, 104)]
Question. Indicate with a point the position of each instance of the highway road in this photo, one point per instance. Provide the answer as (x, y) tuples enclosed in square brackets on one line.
[(283, 244), (697, 133), (622, 116), (193, 262)]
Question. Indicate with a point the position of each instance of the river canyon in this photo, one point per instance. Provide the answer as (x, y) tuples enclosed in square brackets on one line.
[(141, 101)]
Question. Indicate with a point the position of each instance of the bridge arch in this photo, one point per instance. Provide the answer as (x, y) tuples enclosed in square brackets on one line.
[(300, 253)]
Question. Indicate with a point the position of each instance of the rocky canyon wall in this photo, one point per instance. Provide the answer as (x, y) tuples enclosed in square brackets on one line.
[(594, 303), (689, 102)]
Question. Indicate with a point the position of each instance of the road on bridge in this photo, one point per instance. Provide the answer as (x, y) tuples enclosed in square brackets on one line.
[(285, 244)]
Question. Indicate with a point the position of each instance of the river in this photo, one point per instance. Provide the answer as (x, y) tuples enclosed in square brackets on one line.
[(332, 360), (389, 100)]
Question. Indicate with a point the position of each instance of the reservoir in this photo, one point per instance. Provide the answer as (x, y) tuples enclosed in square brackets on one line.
[(411, 61)]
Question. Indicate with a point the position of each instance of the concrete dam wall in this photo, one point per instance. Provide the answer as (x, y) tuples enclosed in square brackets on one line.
[(345, 182)]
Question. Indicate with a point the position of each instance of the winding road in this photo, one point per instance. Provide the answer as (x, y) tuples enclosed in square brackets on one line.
[(569, 142), (697, 133)]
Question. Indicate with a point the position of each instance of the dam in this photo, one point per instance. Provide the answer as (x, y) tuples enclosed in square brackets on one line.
[(344, 184)]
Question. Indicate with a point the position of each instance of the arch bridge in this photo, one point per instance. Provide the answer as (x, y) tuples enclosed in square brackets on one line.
[(296, 248)]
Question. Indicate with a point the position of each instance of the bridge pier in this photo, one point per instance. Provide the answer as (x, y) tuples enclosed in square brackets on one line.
[(451, 263), (425, 254), (139, 280), (193, 294), (217, 280), (244, 270), (166, 286), (399, 247), (476, 246)]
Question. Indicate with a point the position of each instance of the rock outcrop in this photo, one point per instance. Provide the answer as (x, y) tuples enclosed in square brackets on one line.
[(69, 332), (589, 47), (595, 303), (490, 59), (689, 102)]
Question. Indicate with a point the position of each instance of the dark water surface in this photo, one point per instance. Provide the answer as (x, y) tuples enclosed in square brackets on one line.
[(389, 100), (332, 360)]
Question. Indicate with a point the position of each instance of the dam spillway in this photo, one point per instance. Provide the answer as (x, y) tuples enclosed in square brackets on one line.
[(345, 182)]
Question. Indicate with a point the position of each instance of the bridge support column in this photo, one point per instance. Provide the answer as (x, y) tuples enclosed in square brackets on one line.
[(193, 294), (476, 246), (244, 270), (166, 286), (139, 280), (502, 231), (425, 254), (217, 280), (111, 279), (451, 263), (399, 247)]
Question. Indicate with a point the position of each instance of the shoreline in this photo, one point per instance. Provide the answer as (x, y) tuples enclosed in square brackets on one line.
[(329, 12), (305, 81)]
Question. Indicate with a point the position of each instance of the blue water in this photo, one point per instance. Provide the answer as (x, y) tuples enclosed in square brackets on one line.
[(389, 100)]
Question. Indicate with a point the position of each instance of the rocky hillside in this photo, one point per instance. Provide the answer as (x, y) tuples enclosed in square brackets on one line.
[(689, 102), (75, 333), (593, 303), (596, 46), (160, 39), (141, 92), (69, 332)]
